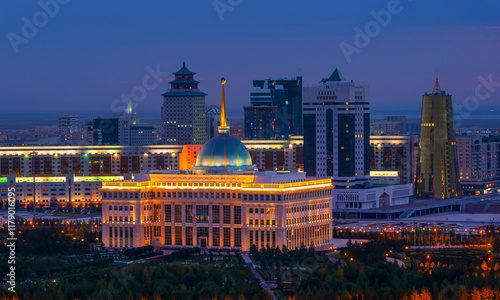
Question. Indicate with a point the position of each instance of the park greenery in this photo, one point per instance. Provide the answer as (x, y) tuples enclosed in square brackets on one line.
[(64, 260)]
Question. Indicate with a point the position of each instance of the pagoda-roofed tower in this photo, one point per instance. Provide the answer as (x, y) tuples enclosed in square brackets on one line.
[(183, 110), (184, 79)]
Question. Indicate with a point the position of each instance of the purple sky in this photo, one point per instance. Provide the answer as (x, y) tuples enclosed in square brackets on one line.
[(91, 52)]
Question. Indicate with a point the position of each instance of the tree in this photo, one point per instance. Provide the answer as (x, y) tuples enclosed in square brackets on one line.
[(475, 294), (279, 279), (340, 272), (487, 293)]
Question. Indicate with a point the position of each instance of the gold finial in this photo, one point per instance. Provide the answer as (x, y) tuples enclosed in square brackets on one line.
[(223, 122)]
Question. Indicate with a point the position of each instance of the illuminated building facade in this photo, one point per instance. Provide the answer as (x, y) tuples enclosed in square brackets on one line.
[(391, 158), (479, 163), (49, 161), (337, 131), (183, 110), (437, 163), (59, 191), (222, 202)]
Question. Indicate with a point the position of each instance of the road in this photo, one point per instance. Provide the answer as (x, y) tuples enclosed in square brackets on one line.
[(261, 280)]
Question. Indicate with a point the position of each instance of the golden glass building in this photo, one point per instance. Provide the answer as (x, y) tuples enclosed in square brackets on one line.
[(437, 165), (223, 202)]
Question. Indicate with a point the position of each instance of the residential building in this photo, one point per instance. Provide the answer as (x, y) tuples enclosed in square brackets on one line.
[(479, 163), (391, 159)]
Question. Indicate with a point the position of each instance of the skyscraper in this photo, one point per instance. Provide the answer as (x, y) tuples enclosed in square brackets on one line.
[(260, 122), (284, 95), (337, 131), (437, 166), (183, 110)]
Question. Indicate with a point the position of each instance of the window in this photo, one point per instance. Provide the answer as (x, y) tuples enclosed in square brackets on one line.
[(215, 214), (201, 213), (189, 214), (237, 237), (157, 231), (168, 213), (178, 235), (226, 214), (215, 236), (189, 236), (178, 214), (227, 237), (237, 215)]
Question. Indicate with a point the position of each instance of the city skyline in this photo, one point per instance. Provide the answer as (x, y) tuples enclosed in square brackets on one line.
[(76, 68)]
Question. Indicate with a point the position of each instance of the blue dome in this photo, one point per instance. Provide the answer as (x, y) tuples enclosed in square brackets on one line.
[(224, 151)]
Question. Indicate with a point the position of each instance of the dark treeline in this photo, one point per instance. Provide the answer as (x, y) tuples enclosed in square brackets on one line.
[(369, 277), (141, 281)]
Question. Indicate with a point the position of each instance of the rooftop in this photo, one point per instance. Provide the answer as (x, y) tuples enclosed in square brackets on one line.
[(184, 70)]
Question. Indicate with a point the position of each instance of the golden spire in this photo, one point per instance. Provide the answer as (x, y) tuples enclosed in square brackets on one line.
[(223, 128)]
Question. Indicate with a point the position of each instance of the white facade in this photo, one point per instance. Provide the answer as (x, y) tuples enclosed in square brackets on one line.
[(231, 211), (337, 131), (371, 198)]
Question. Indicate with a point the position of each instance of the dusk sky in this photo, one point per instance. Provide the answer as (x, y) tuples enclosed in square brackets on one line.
[(91, 52)]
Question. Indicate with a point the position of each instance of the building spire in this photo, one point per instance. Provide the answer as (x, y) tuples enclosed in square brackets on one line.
[(223, 128), (437, 88)]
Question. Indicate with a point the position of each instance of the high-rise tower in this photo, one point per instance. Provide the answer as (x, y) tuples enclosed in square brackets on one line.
[(276, 109), (437, 166), (183, 110), (337, 131)]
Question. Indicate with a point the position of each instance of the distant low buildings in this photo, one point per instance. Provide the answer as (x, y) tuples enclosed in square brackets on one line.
[(124, 130), (68, 123)]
